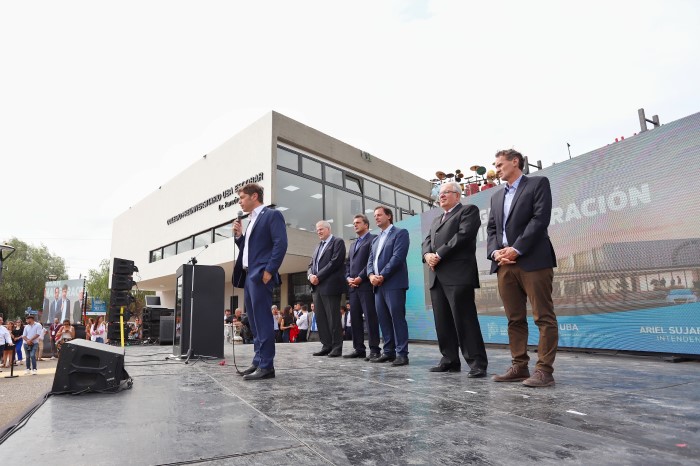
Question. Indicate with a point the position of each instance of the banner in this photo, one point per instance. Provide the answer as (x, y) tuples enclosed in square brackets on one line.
[(626, 233), (63, 299)]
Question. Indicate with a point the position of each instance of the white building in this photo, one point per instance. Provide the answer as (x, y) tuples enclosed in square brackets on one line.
[(308, 175)]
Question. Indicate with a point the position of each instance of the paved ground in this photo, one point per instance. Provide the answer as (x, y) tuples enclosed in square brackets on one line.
[(604, 409), (19, 393)]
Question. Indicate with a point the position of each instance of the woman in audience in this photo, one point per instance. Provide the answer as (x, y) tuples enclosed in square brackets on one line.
[(97, 332), (7, 343), (17, 337), (286, 323)]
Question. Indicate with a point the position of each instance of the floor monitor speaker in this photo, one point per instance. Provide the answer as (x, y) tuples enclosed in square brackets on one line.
[(87, 366)]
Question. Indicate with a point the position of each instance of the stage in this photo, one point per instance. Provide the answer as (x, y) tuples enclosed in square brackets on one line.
[(605, 409)]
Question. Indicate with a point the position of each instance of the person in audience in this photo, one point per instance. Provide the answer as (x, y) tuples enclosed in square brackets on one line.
[(303, 324), (31, 333), (40, 350), (6, 343), (98, 330), (276, 320), (17, 339), (53, 328), (286, 322), (65, 333)]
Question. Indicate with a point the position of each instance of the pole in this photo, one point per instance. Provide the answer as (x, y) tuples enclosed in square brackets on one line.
[(121, 324)]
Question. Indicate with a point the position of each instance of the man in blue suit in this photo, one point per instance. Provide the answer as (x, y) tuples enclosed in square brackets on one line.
[(388, 274), (360, 293), (261, 250)]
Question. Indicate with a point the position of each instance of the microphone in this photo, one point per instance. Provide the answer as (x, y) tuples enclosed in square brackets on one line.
[(240, 216)]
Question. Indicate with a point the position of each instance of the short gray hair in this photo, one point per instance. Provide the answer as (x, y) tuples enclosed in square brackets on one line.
[(454, 186), (324, 224)]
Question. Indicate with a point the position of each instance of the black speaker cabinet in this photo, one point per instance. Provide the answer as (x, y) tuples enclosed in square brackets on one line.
[(87, 366), (207, 324), (167, 328)]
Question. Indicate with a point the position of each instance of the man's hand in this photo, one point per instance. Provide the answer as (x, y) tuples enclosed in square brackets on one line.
[(376, 280), (505, 256), (354, 282), (313, 279), (237, 228), (267, 276), (432, 259)]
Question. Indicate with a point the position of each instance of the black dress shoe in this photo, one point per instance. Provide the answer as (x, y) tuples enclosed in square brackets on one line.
[(445, 367), (260, 374), (355, 354), (372, 356), (383, 358), (335, 354), (322, 352), (250, 370), (476, 373), (400, 361)]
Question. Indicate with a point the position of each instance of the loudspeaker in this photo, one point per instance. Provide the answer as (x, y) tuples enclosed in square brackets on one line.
[(167, 330), (87, 366)]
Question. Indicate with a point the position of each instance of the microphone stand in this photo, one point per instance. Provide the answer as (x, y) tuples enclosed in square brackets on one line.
[(193, 261)]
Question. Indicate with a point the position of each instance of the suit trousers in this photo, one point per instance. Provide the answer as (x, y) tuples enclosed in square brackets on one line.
[(391, 310), (457, 325), (363, 309), (258, 302), (327, 309), (515, 286)]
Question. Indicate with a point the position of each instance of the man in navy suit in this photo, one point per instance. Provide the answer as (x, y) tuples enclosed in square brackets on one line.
[(261, 250), (360, 293), (523, 256), (327, 277), (388, 274)]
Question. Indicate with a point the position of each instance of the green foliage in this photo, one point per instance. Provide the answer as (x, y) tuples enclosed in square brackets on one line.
[(97, 283), (25, 276)]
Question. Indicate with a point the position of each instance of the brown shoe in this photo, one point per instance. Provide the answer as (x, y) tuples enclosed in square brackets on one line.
[(513, 374), (539, 379)]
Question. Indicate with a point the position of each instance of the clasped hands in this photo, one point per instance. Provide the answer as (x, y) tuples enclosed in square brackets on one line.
[(432, 260), (376, 280), (505, 256), (313, 279), (354, 282)]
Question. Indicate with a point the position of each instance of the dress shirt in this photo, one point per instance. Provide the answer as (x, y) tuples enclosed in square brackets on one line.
[(253, 217), (507, 201), (380, 244), (5, 336), (31, 331), (63, 310), (303, 321)]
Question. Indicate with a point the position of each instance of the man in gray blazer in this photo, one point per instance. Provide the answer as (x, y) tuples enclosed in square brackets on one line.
[(327, 277)]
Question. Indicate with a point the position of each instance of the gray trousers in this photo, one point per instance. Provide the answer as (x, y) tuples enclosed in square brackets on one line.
[(327, 309)]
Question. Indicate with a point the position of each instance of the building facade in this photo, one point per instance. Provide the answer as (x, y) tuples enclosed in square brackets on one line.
[(306, 174)]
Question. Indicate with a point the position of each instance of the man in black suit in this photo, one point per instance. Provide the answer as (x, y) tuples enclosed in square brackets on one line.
[(78, 307), (360, 293), (523, 257), (327, 277), (449, 250)]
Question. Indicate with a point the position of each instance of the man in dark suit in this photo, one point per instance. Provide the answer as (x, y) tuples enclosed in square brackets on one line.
[(261, 250), (63, 309), (360, 293), (449, 250), (523, 257), (51, 306), (388, 273), (327, 277), (78, 308)]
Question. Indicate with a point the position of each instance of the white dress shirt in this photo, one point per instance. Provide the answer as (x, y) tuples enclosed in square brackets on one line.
[(253, 217)]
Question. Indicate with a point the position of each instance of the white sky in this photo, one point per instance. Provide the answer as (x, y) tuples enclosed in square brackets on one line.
[(102, 102)]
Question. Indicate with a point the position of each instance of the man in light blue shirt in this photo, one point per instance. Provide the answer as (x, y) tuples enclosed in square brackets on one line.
[(30, 336)]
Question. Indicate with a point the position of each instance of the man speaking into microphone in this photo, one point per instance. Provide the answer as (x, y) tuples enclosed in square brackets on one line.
[(261, 249)]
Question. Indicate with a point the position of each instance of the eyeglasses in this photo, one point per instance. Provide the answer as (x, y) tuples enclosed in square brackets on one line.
[(446, 192)]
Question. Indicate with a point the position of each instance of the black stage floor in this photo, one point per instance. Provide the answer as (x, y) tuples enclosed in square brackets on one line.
[(605, 409)]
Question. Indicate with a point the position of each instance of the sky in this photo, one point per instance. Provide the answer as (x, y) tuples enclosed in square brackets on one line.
[(102, 102)]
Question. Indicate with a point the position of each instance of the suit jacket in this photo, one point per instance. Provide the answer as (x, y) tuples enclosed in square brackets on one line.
[(527, 224), (357, 263), (77, 312), (266, 248), (454, 240), (54, 311), (392, 259), (331, 268)]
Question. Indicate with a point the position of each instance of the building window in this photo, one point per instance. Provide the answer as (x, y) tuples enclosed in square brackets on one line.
[(287, 159), (311, 168), (300, 200), (223, 232), (416, 205), (203, 239), (353, 183), (334, 176), (371, 190), (402, 201), (341, 206), (169, 250), (184, 245), (156, 255), (299, 289), (387, 196)]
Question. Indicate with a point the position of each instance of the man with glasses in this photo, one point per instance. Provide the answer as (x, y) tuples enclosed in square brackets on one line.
[(449, 249)]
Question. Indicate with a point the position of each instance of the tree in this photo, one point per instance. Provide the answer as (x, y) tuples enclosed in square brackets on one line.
[(97, 283), (25, 276)]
